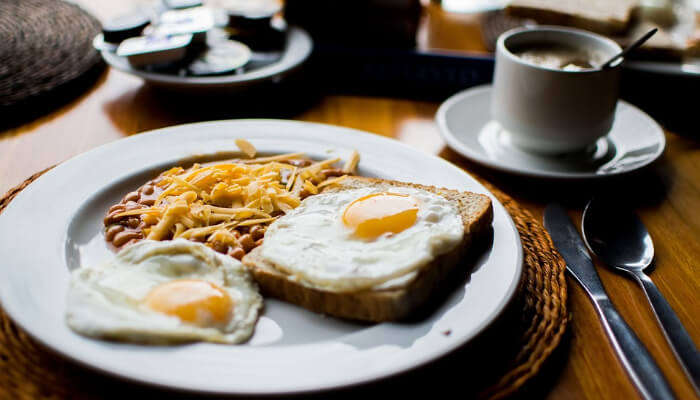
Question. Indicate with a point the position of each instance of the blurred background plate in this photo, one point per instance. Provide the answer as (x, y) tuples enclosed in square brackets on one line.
[(297, 49)]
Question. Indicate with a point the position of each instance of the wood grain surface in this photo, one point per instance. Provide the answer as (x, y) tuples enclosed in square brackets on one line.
[(667, 195)]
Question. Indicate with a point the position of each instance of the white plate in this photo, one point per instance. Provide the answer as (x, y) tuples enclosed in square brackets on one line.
[(297, 49), (634, 141), (55, 225)]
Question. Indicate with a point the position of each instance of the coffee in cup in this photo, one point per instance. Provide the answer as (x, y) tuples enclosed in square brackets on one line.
[(549, 94), (560, 57)]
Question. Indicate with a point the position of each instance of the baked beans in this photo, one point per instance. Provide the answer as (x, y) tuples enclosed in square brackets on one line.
[(121, 231), (236, 242)]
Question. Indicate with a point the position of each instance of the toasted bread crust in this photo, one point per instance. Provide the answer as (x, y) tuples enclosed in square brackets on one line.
[(607, 18), (380, 304)]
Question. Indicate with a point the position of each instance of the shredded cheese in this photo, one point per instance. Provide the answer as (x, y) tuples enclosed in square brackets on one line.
[(209, 202), (351, 163), (331, 181), (246, 147), (280, 157)]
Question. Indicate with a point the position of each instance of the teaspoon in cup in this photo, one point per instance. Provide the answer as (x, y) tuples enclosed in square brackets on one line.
[(620, 239), (629, 48)]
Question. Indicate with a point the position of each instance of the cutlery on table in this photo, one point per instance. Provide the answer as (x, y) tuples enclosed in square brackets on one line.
[(620, 239), (639, 365)]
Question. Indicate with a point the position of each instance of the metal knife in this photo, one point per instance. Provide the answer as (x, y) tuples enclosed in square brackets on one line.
[(641, 368)]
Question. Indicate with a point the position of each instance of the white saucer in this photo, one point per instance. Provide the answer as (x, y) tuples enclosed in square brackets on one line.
[(634, 141)]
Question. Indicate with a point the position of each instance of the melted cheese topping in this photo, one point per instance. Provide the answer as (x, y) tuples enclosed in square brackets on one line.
[(210, 201)]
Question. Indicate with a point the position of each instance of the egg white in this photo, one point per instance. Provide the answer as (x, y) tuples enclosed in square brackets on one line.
[(105, 300), (312, 244)]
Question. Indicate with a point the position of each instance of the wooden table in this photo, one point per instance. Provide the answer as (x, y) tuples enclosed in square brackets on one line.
[(667, 196)]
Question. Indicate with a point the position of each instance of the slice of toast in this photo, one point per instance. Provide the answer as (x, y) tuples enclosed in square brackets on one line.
[(601, 16), (388, 304)]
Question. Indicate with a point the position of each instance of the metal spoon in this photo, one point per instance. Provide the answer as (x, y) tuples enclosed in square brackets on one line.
[(629, 48), (620, 239)]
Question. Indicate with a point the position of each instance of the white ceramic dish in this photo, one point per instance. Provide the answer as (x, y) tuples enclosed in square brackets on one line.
[(55, 225), (297, 49), (634, 141)]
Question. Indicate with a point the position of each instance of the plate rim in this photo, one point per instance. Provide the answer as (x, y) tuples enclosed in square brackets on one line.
[(419, 361), (455, 144), (281, 67)]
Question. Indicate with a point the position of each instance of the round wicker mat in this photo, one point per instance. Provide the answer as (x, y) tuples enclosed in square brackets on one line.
[(45, 44), (27, 371)]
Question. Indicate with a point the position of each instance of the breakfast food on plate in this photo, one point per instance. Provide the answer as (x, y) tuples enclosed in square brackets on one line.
[(309, 231), (165, 292), (225, 205), (368, 249), (602, 16)]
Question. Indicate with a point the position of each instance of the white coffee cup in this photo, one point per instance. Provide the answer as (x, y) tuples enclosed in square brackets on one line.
[(553, 111)]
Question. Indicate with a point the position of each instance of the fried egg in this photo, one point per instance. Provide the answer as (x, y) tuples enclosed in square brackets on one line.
[(162, 292), (363, 237)]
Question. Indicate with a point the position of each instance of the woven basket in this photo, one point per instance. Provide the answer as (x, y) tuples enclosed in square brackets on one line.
[(45, 45)]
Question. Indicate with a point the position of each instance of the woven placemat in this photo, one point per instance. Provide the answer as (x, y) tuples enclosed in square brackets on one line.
[(28, 372), (45, 44)]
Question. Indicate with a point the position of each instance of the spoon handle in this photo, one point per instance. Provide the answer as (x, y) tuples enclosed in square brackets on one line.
[(629, 48), (675, 332), (641, 367)]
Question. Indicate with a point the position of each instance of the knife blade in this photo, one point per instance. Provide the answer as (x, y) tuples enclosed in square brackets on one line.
[(638, 363)]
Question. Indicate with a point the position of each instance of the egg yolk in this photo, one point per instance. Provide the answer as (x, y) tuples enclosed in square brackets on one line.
[(379, 213), (192, 301)]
